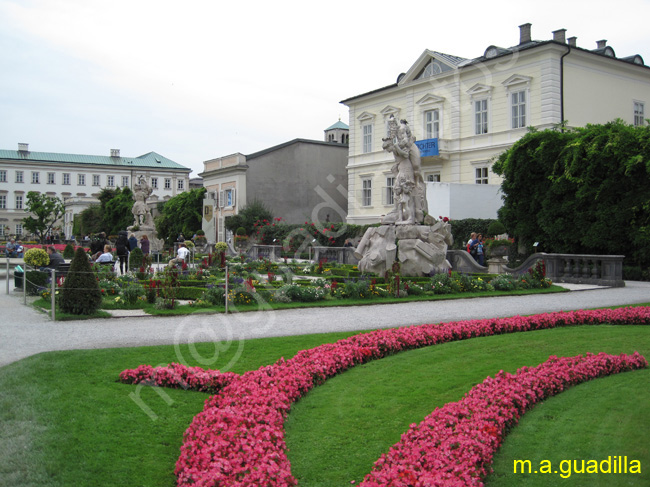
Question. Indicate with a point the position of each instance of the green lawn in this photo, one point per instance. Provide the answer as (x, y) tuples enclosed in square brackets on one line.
[(65, 421)]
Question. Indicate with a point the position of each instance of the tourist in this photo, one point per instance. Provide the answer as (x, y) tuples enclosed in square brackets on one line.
[(348, 243), (472, 246), (480, 250), (106, 256), (145, 244), (181, 255), (55, 260), (133, 242), (122, 250), (11, 250)]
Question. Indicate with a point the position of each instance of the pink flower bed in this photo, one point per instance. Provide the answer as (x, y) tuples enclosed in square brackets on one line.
[(238, 439), (178, 376), (455, 444)]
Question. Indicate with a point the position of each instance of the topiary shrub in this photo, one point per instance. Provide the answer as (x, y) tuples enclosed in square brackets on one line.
[(80, 294), (68, 252), (34, 281), (241, 231), (36, 258), (136, 258), (496, 228)]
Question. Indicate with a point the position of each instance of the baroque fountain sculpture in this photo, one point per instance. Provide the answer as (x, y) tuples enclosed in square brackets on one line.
[(407, 234), (143, 220)]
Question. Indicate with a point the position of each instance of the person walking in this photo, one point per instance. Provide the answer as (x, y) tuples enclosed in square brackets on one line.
[(122, 250), (145, 245)]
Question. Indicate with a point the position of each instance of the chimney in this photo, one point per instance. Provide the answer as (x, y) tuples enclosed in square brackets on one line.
[(559, 35), (601, 44), (572, 41), (524, 33), (22, 147), (115, 152)]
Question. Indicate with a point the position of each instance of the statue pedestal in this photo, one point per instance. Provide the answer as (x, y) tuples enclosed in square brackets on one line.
[(496, 264), (156, 244), (420, 249)]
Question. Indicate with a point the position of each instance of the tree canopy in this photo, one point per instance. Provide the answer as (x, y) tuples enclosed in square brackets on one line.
[(111, 215), (247, 216), (181, 214), (584, 190), (47, 210)]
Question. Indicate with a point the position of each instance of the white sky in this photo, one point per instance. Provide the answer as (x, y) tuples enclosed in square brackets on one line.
[(199, 79)]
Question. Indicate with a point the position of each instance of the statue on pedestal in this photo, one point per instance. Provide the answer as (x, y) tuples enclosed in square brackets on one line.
[(143, 220), (407, 234)]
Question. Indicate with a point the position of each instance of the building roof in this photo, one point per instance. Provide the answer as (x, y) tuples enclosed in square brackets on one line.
[(151, 159), (338, 125), (294, 141)]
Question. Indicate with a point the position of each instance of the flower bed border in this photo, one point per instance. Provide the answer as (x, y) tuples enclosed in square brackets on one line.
[(238, 439)]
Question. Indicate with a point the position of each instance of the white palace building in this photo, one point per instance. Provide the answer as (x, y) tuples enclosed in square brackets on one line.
[(464, 112), (77, 180)]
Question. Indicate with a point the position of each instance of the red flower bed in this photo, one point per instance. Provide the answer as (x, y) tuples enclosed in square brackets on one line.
[(178, 376), (238, 439), (455, 444)]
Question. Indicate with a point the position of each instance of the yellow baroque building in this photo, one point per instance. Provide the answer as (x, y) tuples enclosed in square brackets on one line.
[(464, 112)]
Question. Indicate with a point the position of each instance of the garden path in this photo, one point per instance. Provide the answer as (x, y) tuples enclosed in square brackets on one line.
[(25, 331)]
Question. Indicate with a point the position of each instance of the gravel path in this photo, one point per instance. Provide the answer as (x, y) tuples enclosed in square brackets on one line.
[(25, 331)]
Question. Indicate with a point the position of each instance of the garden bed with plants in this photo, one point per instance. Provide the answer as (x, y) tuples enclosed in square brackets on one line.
[(263, 284)]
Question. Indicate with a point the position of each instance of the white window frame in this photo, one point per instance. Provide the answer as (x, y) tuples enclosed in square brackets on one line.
[(366, 192), (481, 116), (19, 229), (639, 113), (432, 124), (125, 181), (3, 201), (3, 176), (389, 193), (180, 185), (433, 177), (168, 183), (154, 183), (518, 109), (51, 178), (110, 181), (481, 174), (66, 179), (81, 179), (36, 177), (366, 131), (19, 202), (20, 176), (3, 230), (97, 181)]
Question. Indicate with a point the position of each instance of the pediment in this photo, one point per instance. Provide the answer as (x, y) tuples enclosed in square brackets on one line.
[(430, 99), (417, 70), (390, 110), (517, 79), (479, 89), (366, 116)]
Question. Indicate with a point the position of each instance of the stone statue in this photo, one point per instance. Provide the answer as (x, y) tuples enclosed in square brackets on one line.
[(409, 189), (406, 234), (141, 212)]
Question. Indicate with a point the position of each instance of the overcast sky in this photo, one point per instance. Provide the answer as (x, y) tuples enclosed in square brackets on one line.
[(195, 80)]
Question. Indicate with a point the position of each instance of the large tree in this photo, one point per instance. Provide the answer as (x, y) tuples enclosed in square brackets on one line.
[(111, 215), (181, 214), (248, 216), (45, 213), (585, 190)]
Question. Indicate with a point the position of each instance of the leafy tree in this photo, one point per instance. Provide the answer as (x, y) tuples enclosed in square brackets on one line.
[(181, 214), (90, 220), (80, 294), (247, 217), (580, 191), (111, 215), (47, 211)]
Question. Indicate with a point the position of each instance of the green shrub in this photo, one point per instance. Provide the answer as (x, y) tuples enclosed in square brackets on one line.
[(132, 292), (189, 293), (241, 231), (496, 228), (68, 252), (136, 258), (35, 280), (215, 295), (80, 294), (36, 257)]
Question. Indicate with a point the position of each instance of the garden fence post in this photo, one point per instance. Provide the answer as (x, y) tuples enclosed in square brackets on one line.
[(226, 288), (53, 295), (9, 275), (25, 285)]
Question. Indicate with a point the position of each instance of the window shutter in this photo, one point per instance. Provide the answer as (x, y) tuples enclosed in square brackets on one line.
[(220, 201), (233, 197)]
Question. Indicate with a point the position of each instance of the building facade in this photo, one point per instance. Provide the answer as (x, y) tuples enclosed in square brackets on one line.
[(78, 180), (465, 112), (300, 180)]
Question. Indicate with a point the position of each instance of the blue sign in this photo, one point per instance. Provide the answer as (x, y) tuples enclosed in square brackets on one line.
[(428, 147)]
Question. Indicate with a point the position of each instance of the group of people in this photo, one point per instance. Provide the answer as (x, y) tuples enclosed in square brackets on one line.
[(102, 251), (13, 249), (476, 248)]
